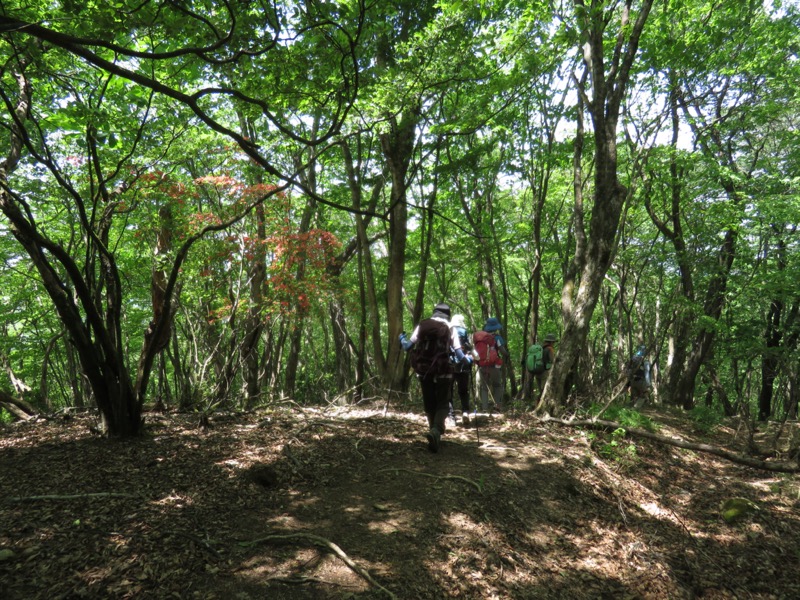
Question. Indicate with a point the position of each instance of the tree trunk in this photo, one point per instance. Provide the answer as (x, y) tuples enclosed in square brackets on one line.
[(16, 406), (94, 333), (769, 361), (368, 298), (398, 147), (608, 195), (253, 321)]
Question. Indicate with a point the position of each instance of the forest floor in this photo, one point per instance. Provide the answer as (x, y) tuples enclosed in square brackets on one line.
[(349, 503)]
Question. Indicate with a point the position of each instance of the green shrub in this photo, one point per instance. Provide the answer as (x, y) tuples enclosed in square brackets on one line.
[(705, 418), (617, 449), (5, 416), (627, 417)]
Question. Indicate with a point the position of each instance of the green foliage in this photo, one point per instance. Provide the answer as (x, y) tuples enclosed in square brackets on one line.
[(487, 89), (705, 419), (6, 417), (734, 510), (626, 417), (616, 448)]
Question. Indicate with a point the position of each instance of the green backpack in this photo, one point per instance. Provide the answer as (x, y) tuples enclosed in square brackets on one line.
[(534, 360)]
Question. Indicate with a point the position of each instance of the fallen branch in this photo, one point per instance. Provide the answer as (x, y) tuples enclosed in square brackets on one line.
[(17, 406), (777, 467), (72, 496), (456, 477), (322, 543)]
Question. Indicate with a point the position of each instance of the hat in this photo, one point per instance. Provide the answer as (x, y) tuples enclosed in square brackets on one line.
[(442, 308), (457, 321), (550, 337), (492, 324)]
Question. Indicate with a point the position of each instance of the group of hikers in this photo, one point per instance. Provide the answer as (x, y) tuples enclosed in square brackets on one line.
[(443, 354)]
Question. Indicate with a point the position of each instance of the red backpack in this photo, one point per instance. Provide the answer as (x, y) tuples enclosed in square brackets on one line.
[(486, 347)]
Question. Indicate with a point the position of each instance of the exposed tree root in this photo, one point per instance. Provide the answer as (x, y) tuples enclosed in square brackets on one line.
[(778, 467), (322, 543), (456, 477), (72, 496)]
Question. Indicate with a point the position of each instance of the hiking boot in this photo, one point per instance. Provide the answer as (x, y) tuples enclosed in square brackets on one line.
[(433, 440), (465, 420)]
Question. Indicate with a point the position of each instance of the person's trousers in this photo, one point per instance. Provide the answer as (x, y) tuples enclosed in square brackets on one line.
[(461, 383), (491, 383), (436, 400)]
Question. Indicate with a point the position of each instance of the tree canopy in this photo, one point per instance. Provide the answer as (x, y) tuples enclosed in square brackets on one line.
[(231, 204)]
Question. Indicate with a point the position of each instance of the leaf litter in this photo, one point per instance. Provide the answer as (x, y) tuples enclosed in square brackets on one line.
[(348, 503)]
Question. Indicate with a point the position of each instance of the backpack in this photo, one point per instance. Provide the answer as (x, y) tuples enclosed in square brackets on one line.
[(534, 360), (430, 356), (634, 367), (486, 347), (466, 345)]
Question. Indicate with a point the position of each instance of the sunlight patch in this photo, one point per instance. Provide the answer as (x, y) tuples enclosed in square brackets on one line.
[(654, 510), (175, 500)]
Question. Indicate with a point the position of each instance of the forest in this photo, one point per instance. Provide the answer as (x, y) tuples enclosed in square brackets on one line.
[(231, 209), (222, 207)]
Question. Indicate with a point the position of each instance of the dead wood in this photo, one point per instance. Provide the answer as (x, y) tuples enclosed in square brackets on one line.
[(16, 406), (453, 477)]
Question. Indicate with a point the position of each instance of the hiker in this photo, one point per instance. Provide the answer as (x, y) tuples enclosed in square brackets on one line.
[(637, 370), (462, 371), (431, 343), (489, 346), (538, 361)]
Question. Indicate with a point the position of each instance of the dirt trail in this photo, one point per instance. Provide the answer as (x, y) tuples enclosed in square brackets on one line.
[(350, 504)]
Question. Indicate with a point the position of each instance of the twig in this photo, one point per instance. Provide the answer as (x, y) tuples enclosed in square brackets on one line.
[(323, 543), (456, 477), (288, 452), (317, 424), (358, 441)]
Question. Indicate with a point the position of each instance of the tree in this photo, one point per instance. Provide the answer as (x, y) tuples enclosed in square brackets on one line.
[(209, 54), (609, 72)]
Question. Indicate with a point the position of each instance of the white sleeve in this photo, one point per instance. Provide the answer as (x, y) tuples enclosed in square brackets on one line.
[(455, 340)]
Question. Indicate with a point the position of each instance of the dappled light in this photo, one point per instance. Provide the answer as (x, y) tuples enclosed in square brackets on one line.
[(357, 505)]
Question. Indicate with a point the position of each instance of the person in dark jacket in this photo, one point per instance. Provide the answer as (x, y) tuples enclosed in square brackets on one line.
[(637, 369), (436, 383)]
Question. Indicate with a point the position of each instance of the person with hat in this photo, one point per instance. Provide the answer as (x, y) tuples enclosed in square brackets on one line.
[(548, 358), (490, 346), (433, 342)]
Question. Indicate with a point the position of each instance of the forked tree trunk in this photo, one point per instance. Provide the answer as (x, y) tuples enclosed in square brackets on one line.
[(608, 87)]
